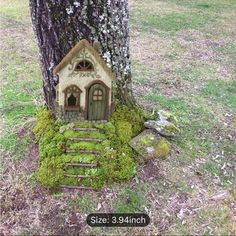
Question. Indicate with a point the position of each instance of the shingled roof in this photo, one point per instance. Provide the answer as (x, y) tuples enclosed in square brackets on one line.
[(74, 51)]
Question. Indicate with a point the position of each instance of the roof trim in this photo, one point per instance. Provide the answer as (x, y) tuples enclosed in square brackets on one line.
[(72, 85), (72, 53)]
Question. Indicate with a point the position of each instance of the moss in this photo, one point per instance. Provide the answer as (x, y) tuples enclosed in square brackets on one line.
[(81, 171), (146, 140), (135, 116), (162, 149), (83, 134), (84, 145), (123, 131), (45, 122), (83, 124), (169, 116), (171, 128), (86, 158), (52, 144), (108, 129), (50, 172), (116, 162)]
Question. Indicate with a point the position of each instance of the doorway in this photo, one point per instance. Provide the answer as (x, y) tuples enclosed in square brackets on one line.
[(97, 101)]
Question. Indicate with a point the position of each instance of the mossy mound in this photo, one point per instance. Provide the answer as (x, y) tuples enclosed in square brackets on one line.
[(149, 144), (115, 160), (162, 149)]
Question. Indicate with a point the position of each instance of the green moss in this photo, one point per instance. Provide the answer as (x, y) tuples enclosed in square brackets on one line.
[(52, 144), (135, 116), (86, 158), (171, 128), (50, 172), (84, 145), (83, 134), (124, 131), (162, 149), (116, 161), (108, 129), (146, 140), (169, 116), (45, 122), (117, 164), (84, 125)]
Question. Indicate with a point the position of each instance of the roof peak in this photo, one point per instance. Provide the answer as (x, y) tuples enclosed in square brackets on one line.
[(72, 53)]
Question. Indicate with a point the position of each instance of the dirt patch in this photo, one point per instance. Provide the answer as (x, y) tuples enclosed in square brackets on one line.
[(149, 171)]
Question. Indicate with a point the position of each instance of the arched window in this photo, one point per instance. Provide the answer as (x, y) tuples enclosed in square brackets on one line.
[(98, 95), (72, 98), (84, 66)]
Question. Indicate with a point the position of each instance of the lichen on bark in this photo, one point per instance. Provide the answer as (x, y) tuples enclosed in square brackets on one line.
[(60, 24)]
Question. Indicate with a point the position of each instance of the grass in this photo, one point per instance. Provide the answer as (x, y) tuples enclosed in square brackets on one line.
[(10, 9), (87, 203), (206, 5), (130, 201), (175, 22), (183, 61), (173, 104), (196, 73), (221, 91)]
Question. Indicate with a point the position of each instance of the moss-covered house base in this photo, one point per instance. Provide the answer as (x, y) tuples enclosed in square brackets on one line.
[(87, 154)]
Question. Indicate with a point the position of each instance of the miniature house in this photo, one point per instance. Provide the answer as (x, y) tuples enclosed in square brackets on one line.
[(84, 91)]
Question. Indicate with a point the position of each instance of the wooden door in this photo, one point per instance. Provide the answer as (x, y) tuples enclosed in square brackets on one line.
[(97, 102)]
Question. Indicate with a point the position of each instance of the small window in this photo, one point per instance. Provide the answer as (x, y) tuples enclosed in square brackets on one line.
[(98, 95), (72, 98), (84, 66)]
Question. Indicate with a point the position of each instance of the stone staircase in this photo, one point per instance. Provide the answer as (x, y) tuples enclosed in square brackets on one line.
[(82, 149)]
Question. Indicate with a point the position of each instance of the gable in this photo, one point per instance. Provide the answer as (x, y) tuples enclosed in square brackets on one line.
[(75, 53)]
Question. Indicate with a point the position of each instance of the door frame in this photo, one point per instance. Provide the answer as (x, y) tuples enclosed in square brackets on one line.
[(107, 96)]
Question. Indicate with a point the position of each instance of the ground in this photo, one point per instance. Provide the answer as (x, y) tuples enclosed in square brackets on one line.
[(183, 58)]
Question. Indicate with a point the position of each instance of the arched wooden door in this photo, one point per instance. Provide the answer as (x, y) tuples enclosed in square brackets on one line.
[(97, 102)]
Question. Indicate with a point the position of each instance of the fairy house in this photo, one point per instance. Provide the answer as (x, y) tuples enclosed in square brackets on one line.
[(84, 91)]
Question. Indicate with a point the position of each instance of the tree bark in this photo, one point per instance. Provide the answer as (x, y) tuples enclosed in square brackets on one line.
[(60, 24)]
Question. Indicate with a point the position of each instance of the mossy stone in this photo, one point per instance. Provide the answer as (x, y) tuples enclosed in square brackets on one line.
[(168, 116), (149, 144), (166, 124), (162, 149)]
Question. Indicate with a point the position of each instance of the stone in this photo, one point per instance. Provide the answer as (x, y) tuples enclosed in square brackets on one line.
[(166, 124), (166, 115), (149, 144)]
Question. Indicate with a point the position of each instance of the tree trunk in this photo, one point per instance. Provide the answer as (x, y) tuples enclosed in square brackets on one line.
[(60, 24)]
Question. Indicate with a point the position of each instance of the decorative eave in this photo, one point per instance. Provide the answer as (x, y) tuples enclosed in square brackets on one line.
[(73, 52), (72, 85)]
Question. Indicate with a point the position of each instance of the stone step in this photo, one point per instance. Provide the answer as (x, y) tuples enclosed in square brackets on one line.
[(77, 187), (83, 151), (77, 176), (86, 165), (85, 129), (86, 139)]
